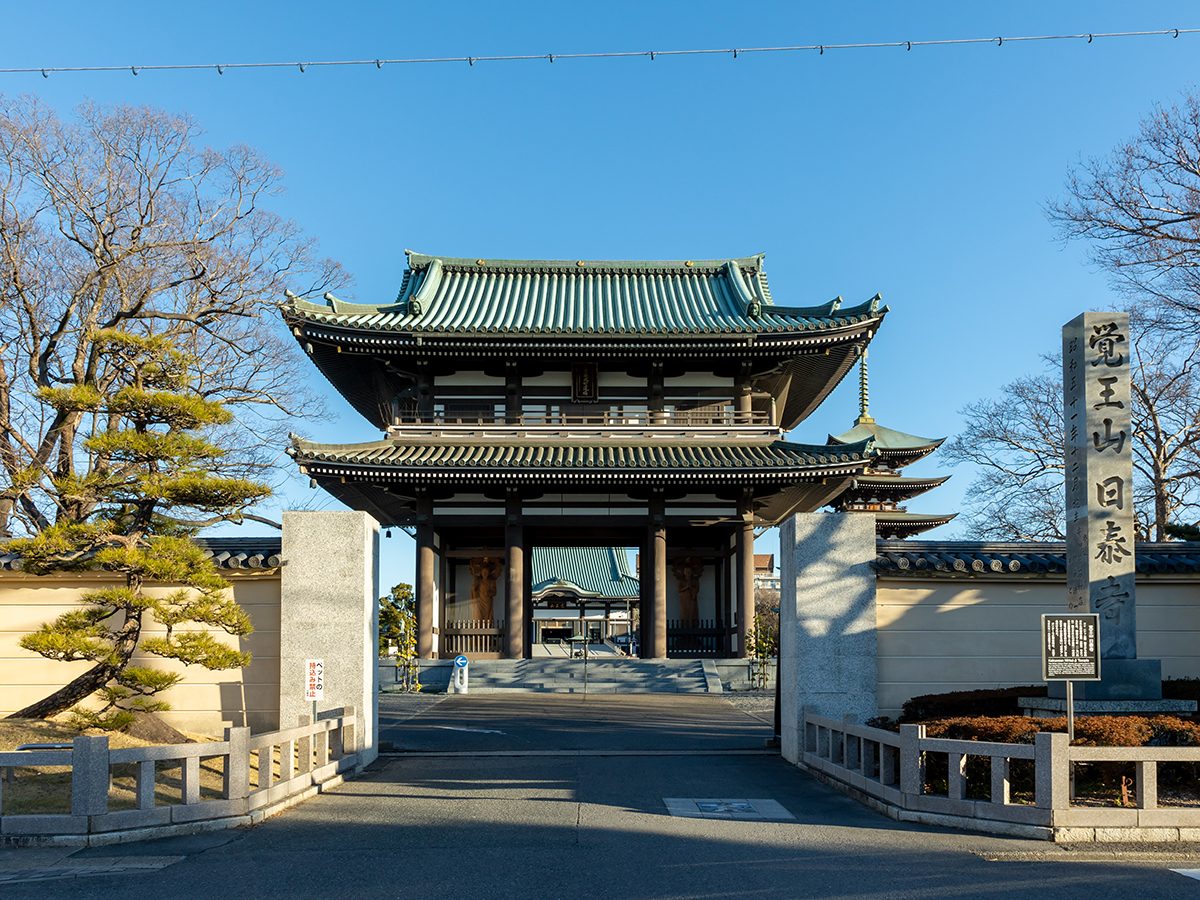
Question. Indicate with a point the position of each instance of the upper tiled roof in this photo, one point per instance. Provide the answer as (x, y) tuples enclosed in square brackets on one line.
[(587, 571), (229, 553), (971, 558), (444, 295)]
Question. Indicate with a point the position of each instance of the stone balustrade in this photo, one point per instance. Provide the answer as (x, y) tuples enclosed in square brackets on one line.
[(887, 771), (310, 757)]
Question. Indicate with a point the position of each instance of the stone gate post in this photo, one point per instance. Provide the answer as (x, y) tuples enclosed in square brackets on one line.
[(827, 651), (329, 609)]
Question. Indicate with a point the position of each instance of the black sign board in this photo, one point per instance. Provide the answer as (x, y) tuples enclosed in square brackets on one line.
[(1071, 647), (585, 386)]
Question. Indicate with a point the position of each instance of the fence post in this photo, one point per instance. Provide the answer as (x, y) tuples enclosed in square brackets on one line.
[(956, 776), (304, 757), (145, 784), (1146, 773), (1052, 773), (851, 748), (189, 768), (912, 760), (237, 764), (1000, 779), (350, 733), (89, 775)]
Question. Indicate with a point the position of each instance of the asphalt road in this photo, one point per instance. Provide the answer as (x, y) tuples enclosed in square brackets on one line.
[(566, 801)]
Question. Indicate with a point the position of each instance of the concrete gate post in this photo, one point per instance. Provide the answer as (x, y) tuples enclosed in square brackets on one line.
[(828, 654), (329, 609)]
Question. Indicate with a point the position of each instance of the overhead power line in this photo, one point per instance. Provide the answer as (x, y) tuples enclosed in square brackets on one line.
[(820, 49)]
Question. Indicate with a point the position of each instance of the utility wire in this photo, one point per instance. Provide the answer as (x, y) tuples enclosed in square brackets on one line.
[(652, 54)]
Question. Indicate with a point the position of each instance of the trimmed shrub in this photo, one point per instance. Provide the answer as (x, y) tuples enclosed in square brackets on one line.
[(960, 704)]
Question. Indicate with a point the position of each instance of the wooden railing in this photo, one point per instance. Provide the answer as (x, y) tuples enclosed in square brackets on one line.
[(473, 638), (261, 774), (603, 418), (696, 638)]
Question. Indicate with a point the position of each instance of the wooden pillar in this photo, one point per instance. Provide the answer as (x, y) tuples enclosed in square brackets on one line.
[(424, 390), (745, 574), (512, 393), (657, 543), (645, 593), (425, 580), (514, 588), (724, 606)]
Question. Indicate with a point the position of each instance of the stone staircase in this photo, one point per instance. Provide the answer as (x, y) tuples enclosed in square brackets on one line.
[(565, 676)]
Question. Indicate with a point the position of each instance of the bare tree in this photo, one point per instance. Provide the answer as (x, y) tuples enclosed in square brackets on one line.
[(119, 220), (1016, 442), (1140, 209)]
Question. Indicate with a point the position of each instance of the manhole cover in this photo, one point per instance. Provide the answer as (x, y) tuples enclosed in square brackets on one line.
[(722, 808)]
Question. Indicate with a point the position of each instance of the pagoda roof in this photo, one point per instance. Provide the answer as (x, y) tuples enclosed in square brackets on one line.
[(899, 525), (896, 448), (893, 487), (597, 298), (584, 571)]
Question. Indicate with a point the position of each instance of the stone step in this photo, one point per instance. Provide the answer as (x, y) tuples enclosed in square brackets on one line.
[(604, 675)]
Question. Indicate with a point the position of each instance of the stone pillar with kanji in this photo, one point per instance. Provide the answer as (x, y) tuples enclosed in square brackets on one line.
[(1098, 449)]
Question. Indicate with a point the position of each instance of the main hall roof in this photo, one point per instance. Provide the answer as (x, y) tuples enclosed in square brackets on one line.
[(585, 571), (446, 295)]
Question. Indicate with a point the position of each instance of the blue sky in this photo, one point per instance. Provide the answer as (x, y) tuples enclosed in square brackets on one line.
[(918, 174)]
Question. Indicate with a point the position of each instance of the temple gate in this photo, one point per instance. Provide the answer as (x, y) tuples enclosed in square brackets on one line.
[(530, 403)]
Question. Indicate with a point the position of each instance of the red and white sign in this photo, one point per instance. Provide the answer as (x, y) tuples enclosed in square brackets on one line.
[(314, 679)]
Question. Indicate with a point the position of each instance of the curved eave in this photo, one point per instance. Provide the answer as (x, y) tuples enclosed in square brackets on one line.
[(896, 525), (612, 457), (775, 323), (894, 488)]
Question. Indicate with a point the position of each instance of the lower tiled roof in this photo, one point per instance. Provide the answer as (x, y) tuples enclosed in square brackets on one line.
[(609, 456), (974, 558), (230, 553)]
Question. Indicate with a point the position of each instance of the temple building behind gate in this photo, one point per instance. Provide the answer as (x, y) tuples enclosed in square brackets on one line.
[(580, 403)]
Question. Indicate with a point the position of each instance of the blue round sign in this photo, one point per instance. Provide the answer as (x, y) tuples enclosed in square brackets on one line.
[(460, 662)]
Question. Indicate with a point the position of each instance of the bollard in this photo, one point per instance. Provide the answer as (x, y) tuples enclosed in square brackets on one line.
[(458, 676)]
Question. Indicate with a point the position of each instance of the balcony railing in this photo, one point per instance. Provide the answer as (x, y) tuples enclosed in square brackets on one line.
[(609, 418)]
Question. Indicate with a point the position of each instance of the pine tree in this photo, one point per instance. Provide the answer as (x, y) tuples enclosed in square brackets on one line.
[(153, 468)]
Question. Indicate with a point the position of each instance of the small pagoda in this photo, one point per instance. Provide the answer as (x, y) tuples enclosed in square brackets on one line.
[(881, 490)]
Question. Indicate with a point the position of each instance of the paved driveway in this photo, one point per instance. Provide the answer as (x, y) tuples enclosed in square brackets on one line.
[(567, 801)]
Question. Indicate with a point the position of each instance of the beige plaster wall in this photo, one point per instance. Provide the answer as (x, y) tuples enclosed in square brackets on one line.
[(203, 702), (948, 634)]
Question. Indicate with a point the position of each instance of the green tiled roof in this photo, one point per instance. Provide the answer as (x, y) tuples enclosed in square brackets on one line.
[(443, 295), (776, 455), (587, 571), (895, 447)]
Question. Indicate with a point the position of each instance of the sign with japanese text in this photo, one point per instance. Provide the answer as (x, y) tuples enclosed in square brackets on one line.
[(1071, 647), (585, 383), (1099, 477), (314, 679)]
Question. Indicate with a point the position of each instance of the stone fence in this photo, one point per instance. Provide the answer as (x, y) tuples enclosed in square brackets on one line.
[(291, 765), (887, 771)]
